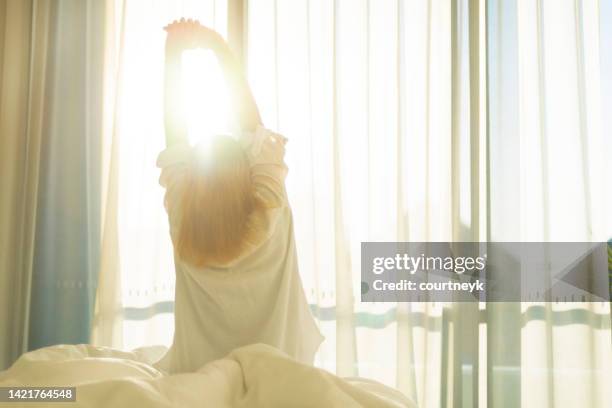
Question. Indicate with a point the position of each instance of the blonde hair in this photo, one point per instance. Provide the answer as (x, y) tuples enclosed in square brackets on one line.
[(217, 206)]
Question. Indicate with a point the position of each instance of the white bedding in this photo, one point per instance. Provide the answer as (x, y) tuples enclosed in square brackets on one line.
[(251, 377)]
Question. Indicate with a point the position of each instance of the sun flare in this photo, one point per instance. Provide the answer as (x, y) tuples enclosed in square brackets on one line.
[(205, 97)]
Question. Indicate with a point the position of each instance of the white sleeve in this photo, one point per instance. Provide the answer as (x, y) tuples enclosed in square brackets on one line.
[(173, 162), (266, 152)]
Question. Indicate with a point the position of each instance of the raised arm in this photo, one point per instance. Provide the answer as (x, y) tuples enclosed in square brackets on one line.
[(174, 111), (240, 93), (189, 34)]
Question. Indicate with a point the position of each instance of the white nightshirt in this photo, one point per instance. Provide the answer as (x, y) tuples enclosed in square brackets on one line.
[(256, 298)]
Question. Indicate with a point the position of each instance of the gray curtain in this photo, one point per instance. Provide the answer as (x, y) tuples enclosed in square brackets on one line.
[(50, 121)]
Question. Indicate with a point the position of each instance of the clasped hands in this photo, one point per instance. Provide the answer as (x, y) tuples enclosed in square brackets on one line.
[(185, 34)]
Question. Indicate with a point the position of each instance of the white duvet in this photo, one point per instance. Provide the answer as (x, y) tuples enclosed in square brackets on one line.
[(252, 376)]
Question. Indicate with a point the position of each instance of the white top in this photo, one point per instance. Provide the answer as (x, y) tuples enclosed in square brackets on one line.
[(256, 298)]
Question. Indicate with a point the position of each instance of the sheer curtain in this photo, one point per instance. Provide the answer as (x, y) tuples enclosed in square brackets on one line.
[(18, 165), (407, 120), (548, 169), (381, 110)]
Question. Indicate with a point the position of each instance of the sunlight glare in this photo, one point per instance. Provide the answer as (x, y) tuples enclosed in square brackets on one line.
[(205, 96)]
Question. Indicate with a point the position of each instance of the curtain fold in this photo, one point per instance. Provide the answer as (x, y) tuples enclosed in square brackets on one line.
[(24, 41), (66, 253), (15, 54), (107, 327)]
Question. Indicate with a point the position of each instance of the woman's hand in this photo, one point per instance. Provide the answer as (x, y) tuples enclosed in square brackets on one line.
[(190, 34)]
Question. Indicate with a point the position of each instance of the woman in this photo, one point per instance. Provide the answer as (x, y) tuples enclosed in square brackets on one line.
[(237, 279)]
